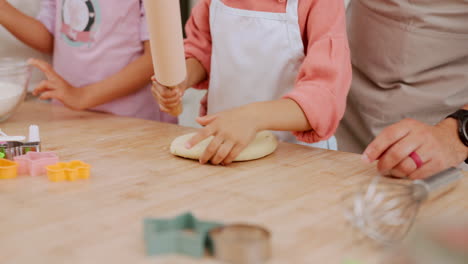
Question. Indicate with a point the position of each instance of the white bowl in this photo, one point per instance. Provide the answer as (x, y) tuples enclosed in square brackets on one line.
[(14, 79)]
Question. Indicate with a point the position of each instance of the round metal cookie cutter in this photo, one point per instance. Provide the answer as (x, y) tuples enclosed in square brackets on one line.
[(241, 244)]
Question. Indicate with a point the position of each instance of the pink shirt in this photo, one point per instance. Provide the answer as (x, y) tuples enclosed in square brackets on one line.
[(95, 39), (324, 78)]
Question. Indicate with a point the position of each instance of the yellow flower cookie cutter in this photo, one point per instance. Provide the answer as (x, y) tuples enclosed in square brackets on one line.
[(8, 169), (68, 171)]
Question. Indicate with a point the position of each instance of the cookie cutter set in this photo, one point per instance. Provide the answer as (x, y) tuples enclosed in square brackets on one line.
[(12, 146), (68, 171), (8, 169), (26, 158), (241, 244), (187, 235)]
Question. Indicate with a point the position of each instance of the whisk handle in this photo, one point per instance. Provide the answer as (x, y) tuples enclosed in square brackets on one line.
[(437, 184)]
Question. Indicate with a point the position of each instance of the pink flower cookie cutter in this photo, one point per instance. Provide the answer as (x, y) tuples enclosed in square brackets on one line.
[(35, 163), (69, 171)]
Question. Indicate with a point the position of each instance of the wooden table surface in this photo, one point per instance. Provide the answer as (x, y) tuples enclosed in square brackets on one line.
[(297, 193)]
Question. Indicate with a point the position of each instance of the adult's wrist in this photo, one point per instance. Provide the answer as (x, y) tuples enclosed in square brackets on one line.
[(450, 128)]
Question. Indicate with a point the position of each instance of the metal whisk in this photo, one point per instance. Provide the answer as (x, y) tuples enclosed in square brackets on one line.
[(386, 210)]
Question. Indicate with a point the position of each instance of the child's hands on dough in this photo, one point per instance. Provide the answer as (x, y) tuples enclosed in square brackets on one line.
[(55, 87), (168, 98), (233, 130)]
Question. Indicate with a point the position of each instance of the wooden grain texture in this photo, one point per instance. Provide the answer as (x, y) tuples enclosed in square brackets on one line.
[(297, 193)]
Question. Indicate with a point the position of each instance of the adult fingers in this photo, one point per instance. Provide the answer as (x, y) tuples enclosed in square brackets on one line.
[(386, 139), (398, 152), (404, 168)]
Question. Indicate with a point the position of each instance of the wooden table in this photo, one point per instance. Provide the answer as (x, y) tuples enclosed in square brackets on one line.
[(296, 192)]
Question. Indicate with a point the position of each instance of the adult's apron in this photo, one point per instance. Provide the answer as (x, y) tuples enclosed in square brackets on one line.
[(410, 60), (255, 57)]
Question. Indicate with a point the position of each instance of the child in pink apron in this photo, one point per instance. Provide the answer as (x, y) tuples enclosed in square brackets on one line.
[(268, 65), (101, 58)]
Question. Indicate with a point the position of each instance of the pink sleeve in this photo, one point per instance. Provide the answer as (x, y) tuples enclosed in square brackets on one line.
[(198, 40), (144, 34), (325, 76), (47, 13)]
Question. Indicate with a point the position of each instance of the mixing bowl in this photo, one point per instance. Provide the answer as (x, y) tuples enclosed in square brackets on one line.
[(14, 79)]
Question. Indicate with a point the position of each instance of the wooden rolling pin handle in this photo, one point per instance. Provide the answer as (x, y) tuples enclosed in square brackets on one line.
[(177, 110)]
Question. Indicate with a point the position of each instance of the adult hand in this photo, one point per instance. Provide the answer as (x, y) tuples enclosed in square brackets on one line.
[(55, 87), (233, 130), (438, 148)]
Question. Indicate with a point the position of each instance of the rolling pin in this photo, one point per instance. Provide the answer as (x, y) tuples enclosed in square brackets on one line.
[(167, 44)]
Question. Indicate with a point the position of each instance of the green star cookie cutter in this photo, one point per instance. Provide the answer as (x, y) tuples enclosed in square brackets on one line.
[(2, 155), (184, 235)]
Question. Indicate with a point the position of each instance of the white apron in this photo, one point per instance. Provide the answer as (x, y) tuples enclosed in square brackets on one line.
[(255, 57)]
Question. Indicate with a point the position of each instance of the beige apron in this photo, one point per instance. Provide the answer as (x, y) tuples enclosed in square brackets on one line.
[(410, 60)]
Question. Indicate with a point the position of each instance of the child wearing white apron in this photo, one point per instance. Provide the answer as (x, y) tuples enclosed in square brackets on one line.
[(248, 55)]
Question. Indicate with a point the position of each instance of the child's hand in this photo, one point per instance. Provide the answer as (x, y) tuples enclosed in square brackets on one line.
[(3, 9), (3, 3), (233, 131), (55, 87), (168, 98)]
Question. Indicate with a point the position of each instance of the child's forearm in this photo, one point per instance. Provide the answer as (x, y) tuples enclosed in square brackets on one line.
[(130, 79), (280, 115), (195, 72), (235, 129), (27, 29)]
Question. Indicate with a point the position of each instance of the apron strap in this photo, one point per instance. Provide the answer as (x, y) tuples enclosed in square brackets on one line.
[(292, 7), (292, 15)]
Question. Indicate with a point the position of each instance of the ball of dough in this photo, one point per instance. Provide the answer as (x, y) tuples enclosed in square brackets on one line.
[(263, 145)]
